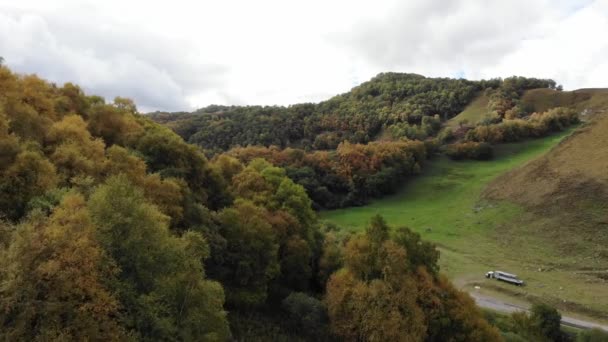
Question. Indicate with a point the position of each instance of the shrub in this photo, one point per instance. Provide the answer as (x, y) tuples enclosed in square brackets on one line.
[(470, 150), (536, 125)]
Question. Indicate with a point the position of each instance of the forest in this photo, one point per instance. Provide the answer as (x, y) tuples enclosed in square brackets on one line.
[(402, 105), (365, 143), (116, 229)]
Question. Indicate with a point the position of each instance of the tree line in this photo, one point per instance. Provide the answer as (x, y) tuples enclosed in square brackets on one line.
[(350, 175)]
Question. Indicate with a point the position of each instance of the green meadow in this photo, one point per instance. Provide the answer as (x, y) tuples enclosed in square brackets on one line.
[(473, 113), (443, 203)]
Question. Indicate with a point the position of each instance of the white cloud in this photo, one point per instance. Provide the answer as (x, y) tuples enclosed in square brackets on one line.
[(155, 71), (183, 54), (573, 52)]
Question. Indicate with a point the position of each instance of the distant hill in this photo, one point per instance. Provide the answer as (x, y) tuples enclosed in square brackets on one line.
[(397, 105)]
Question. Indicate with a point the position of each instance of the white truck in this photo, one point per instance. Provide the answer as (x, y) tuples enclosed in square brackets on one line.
[(506, 277)]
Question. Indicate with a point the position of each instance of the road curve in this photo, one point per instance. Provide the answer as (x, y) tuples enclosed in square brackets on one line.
[(498, 305)]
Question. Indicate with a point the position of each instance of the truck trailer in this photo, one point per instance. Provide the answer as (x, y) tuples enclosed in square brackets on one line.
[(506, 277)]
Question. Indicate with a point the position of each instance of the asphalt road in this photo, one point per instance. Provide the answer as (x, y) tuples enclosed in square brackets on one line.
[(498, 305)]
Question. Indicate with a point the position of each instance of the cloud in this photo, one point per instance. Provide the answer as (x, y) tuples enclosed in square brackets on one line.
[(106, 59), (486, 39), (184, 54), (572, 52), (435, 37)]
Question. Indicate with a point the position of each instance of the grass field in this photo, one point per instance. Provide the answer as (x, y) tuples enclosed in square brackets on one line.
[(474, 236), (473, 113)]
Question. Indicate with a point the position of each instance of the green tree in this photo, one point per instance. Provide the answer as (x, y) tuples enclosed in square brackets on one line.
[(377, 230), (161, 283), (165, 153), (331, 258), (548, 320), (419, 252), (307, 315), (248, 260)]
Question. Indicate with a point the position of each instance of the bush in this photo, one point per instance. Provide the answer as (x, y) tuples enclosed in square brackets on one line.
[(536, 125), (445, 135), (470, 150)]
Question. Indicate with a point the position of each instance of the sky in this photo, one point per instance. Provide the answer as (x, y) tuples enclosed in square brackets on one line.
[(181, 55)]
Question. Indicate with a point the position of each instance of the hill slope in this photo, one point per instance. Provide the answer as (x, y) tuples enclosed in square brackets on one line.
[(545, 219), (406, 105), (473, 113), (576, 170), (540, 100), (566, 195)]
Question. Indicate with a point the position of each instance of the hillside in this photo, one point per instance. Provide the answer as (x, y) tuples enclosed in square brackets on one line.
[(566, 194), (537, 210), (540, 100), (364, 143), (576, 170), (473, 113), (404, 105)]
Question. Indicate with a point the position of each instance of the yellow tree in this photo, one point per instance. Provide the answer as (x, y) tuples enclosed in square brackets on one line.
[(385, 294), (73, 150), (53, 278)]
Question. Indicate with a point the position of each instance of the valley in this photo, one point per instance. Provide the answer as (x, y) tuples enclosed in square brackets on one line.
[(416, 171)]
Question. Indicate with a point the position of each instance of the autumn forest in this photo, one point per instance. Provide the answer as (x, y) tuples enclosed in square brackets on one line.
[(203, 226)]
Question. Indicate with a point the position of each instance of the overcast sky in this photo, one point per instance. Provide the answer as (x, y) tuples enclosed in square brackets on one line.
[(181, 55)]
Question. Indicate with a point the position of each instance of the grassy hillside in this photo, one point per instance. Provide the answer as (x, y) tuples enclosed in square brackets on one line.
[(539, 100), (473, 113), (576, 170), (565, 195), (477, 234)]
